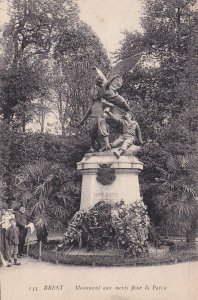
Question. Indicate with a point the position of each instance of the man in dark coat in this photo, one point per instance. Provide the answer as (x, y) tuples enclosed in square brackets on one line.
[(22, 221)]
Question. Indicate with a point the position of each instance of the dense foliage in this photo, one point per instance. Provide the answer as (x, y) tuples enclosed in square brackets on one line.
[(162, 94), (34, 166)]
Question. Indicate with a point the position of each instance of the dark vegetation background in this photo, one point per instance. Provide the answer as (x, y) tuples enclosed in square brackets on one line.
[(46, 65)]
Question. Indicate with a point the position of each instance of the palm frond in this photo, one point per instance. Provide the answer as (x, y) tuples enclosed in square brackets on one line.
[(172, 164), (184, 208), (43, 219)]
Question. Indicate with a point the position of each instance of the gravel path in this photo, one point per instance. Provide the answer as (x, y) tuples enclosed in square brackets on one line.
[(35, 280)]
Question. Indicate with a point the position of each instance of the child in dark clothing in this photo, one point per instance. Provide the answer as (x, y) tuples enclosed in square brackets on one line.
[(12, 236)]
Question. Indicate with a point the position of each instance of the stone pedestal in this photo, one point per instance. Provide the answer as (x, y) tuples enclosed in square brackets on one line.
[(125, 185)]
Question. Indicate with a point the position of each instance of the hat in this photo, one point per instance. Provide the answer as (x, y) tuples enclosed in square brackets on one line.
[(12, 220)]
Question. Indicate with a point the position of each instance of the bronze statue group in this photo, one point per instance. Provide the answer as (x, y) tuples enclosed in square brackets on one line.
[(108, 105)]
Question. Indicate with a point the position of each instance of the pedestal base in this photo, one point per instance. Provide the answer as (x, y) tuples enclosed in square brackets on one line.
[(124, 187)]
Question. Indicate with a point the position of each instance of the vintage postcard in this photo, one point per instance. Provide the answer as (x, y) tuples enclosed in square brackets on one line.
[(98, 150)]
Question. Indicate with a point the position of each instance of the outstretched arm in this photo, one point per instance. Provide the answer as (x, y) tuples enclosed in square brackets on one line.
[(106, 103), (113, 116)]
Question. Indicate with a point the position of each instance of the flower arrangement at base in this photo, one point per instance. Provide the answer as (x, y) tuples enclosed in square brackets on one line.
[(74, 232), (131, 223), (99, 225), (104, 223)]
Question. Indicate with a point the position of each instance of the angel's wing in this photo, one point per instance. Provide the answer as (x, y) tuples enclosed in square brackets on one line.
[(122, 67), (115, 83), (101, 75)]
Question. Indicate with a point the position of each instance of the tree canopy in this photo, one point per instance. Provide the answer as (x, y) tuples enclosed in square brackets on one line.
[(42, 41)]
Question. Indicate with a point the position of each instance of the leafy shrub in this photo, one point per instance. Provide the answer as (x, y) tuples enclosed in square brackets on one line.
[(48, 192)]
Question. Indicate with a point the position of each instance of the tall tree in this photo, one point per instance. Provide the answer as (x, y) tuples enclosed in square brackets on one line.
[(77, 51), (162, 90), (33, 29)]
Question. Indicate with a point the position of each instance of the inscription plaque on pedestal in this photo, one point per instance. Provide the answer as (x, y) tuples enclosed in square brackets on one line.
[(124, 187)]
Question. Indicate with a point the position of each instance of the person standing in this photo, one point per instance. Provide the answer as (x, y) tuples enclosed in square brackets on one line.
[(6, 216), (10, 212), (1, 234), (1, 239), (12, 237), (21, 222)]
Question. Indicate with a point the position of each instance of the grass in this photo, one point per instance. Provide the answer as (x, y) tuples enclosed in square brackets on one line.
[(108, 257)]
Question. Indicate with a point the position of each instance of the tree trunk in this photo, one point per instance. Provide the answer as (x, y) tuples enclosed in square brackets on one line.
[(42, 121), (63, 130)]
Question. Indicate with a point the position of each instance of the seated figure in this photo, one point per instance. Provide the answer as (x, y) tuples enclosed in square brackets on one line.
[(130, 133)]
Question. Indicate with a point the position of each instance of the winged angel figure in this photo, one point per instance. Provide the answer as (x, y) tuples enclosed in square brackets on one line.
[(106, 87), (104, 95)]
